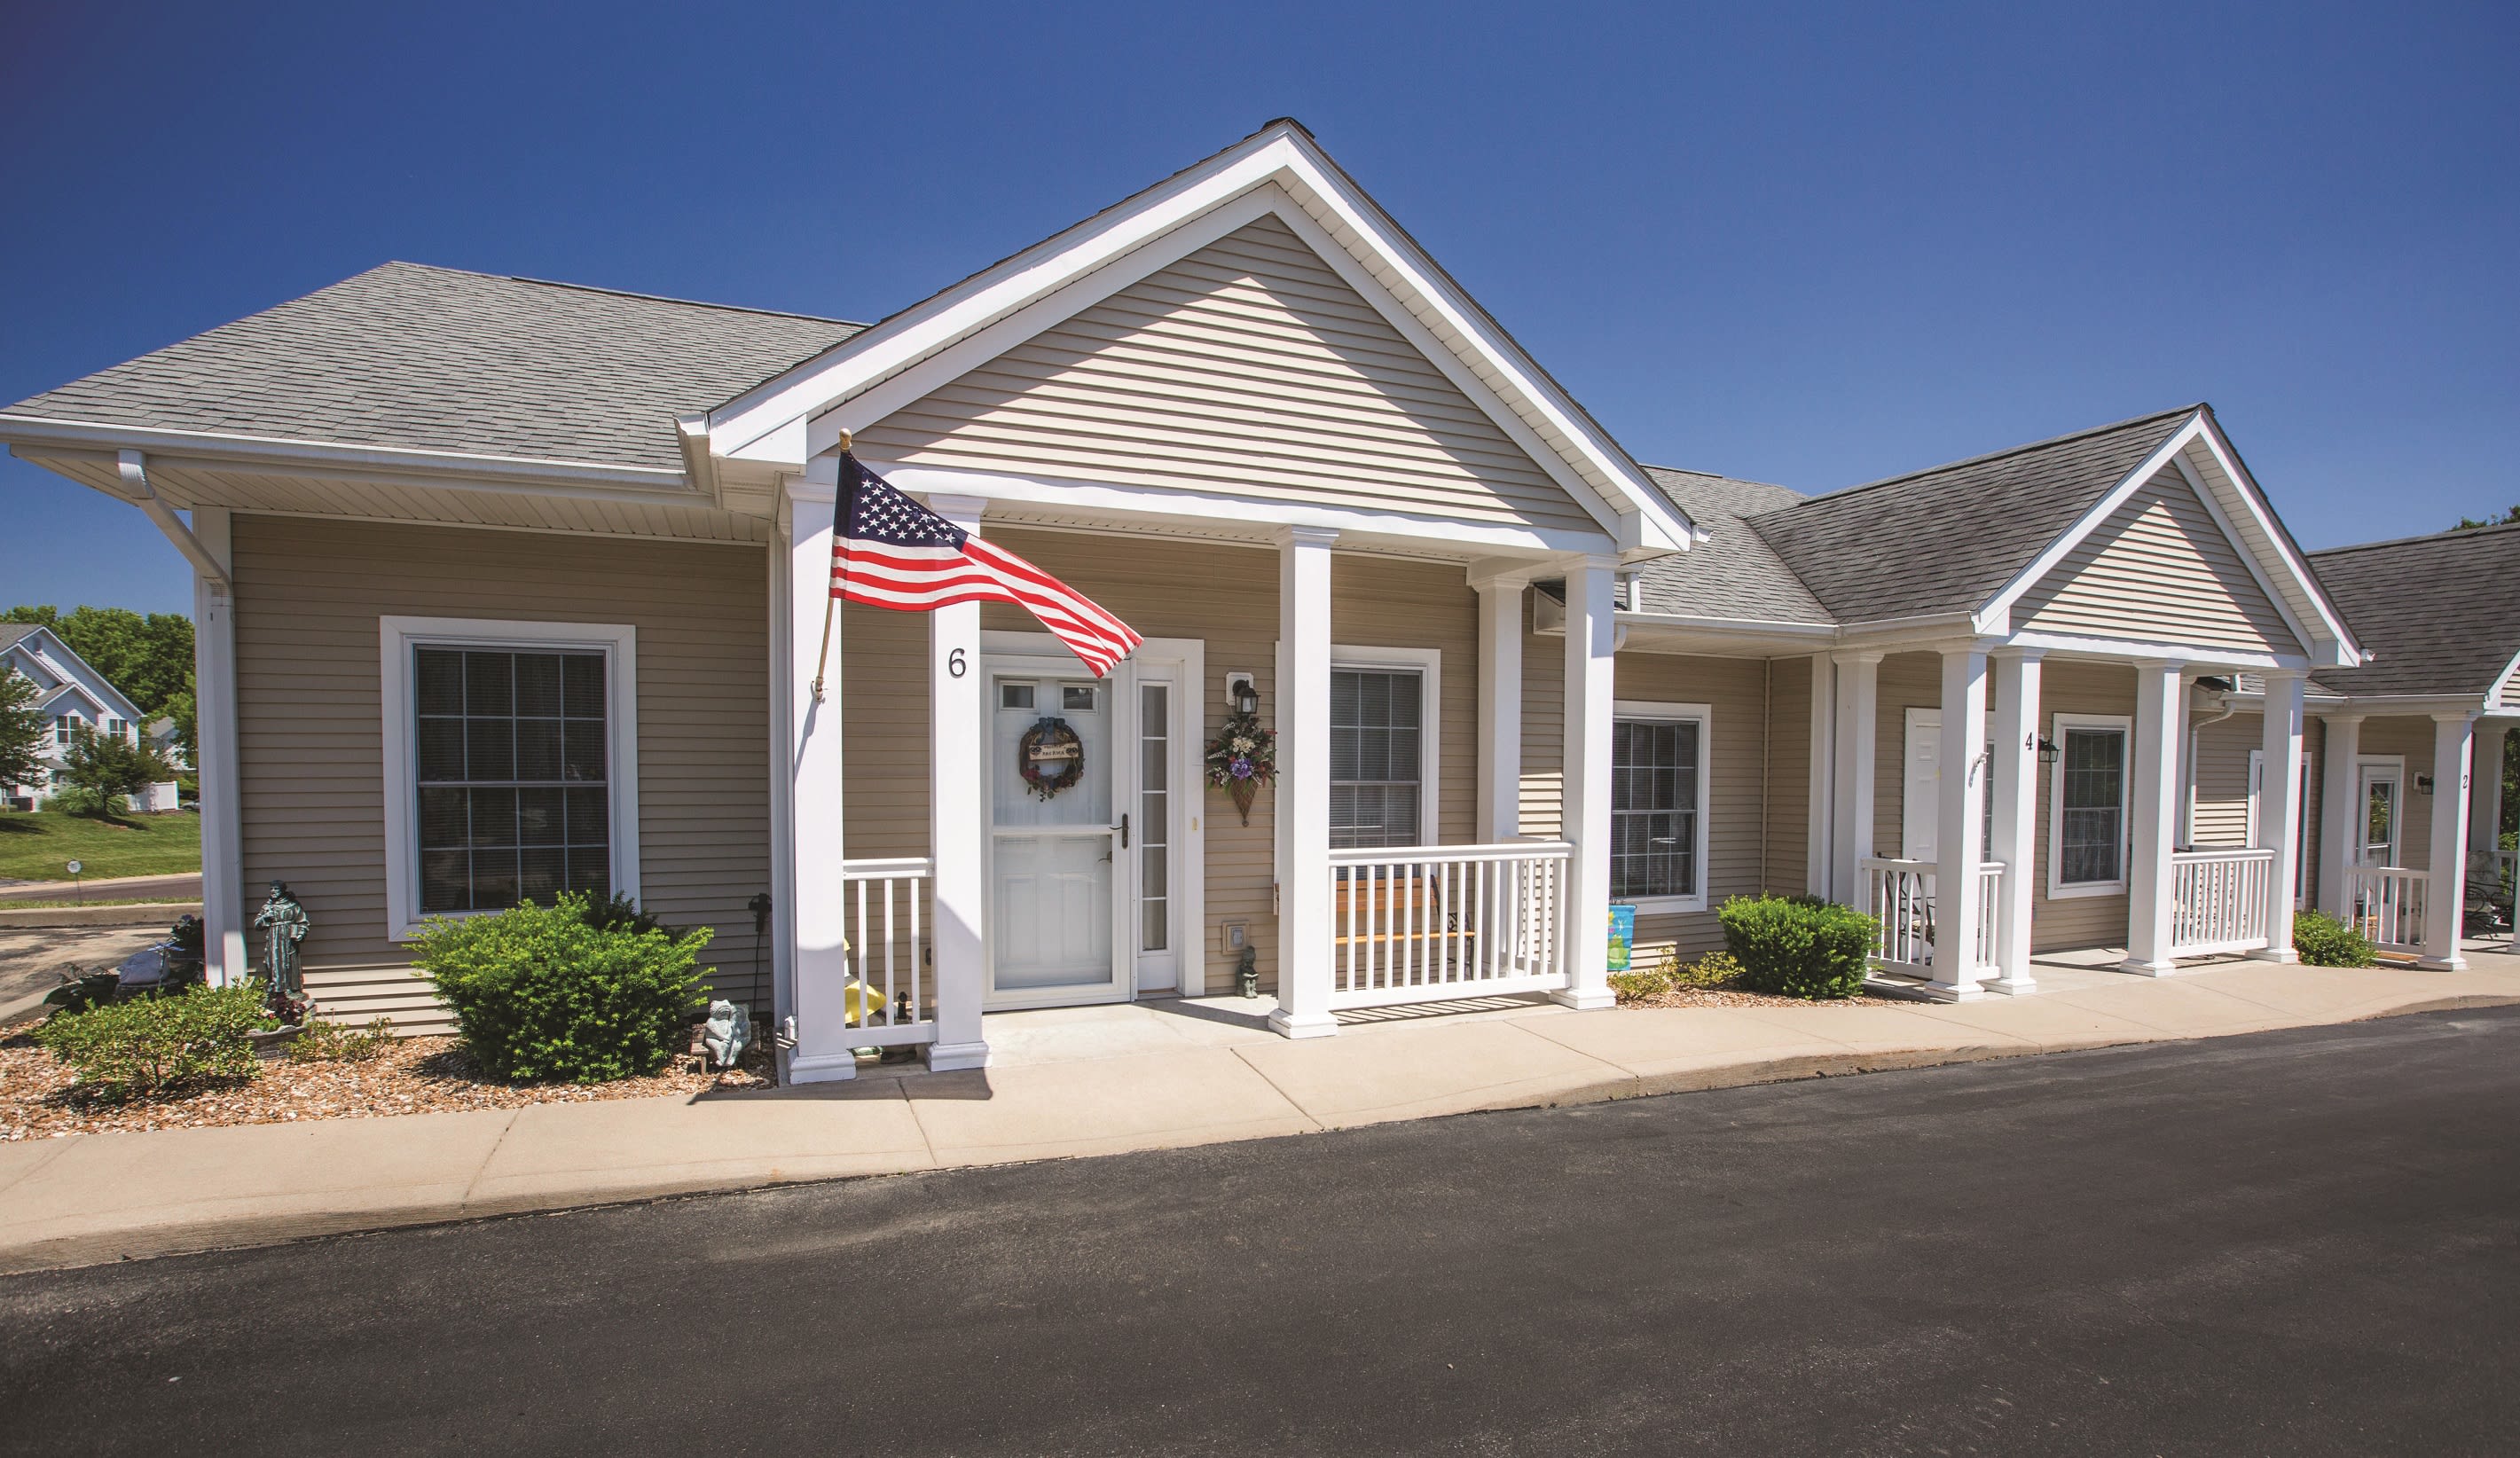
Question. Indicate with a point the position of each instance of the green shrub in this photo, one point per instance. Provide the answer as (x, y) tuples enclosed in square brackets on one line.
[(545, 992), (2323, 941), (338, 1043), (149, 1044), (1637, 983), (1714, 969), (1798, 947)]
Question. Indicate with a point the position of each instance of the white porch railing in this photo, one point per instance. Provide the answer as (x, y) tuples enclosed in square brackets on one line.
[(1902, 899), (2218, 900), (885, 908), (2388, 905), (1429, 923)]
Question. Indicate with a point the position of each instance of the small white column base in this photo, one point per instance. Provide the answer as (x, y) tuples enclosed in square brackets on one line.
[(1584, 999), (2275, 955), (2020, 986), (2143, 968), (952, 1057), (1302, 1024), (822, 1068), (2451, 963)]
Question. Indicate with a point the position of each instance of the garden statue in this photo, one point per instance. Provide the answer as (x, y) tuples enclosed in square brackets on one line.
[(286, 921), (728, 1034)]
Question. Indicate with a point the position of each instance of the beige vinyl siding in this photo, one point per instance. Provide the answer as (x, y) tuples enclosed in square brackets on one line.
[(1248, 367), (1544, 730), (2158, 570), (2219, 778), (1734, 691), (1787, 772), (2068, 686), (310, 740)]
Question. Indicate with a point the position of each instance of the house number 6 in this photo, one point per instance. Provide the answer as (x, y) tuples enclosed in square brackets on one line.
[(954, 663)]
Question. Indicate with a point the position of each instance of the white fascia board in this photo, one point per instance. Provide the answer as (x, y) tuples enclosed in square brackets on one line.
[(1337, 220), (2341, 650), (1694, 622), (2206, 497), (2198, 655), (1142, 502), (286, 456)]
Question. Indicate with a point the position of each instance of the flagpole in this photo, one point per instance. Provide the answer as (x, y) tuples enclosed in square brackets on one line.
[(820, 659)]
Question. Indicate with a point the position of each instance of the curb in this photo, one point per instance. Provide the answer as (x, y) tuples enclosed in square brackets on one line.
[(145, 913)]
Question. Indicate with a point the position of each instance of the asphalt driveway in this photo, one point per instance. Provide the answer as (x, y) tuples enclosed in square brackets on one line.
[(2296, 1242)]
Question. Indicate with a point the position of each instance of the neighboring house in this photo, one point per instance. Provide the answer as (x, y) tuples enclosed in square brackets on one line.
[(75, 698), (467, 634)]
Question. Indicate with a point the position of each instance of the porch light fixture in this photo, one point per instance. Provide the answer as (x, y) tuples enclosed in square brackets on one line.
[(1247, 699), (2049, 752)]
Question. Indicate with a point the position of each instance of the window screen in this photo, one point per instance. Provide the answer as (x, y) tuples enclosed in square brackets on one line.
[(512, 777), (1653, 807), (1376, 779), (2092, 833)]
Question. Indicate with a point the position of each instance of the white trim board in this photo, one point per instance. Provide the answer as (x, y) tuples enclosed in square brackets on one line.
[(1655, 711), (396, 638)]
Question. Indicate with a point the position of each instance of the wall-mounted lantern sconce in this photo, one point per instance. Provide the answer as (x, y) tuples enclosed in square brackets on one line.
[(2423, 784), (1241, 693), (2049, 752)]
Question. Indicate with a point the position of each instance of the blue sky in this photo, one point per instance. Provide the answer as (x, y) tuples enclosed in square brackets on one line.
[(1805, 244)]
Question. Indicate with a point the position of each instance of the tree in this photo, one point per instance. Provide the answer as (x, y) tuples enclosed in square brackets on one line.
[(22, 729), (99, 770), (150, 659), (2468, 523), (180, 709)]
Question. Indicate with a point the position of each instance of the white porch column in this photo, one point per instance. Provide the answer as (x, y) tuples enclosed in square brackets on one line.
[(958, 725), (1304, 783), (2485, 788), (214, 758), (1858, 687), (2160, 721), (1822, 823), (1499, 709), (2445, 884), (2013, 750), (1960, 813), (2279, 808), (1591, 635), (2340, 813), (819, 957)]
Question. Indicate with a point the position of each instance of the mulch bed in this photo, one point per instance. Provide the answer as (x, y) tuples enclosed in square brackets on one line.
[(1725, 995), (415, 1075)]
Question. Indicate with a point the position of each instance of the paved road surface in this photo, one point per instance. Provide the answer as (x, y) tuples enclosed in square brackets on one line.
[(183, 888), (2299, 1242)]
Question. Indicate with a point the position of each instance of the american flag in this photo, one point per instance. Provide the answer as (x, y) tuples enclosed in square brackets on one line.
[(889, 551)]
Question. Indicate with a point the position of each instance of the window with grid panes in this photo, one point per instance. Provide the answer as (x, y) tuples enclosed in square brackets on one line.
[(1377, 738), (1653, 807), (513, 777), (2091, 831)]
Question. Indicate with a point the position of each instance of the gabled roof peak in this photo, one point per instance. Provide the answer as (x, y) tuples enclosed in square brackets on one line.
[(2069, 437)]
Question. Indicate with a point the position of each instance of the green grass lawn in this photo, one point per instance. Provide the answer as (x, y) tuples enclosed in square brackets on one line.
[(35, 845)]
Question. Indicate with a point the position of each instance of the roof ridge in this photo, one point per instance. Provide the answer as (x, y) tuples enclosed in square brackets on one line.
[(2455, 531), (661, 298), (1717, 475), (2035, 445)]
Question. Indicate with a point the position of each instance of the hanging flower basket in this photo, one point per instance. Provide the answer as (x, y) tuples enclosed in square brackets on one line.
[(1241, 759)]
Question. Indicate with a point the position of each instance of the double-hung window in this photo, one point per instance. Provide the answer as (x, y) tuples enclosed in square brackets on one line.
[(1384, 746), (1659, 781), (511, 765), (65, 729), (2087, 836)]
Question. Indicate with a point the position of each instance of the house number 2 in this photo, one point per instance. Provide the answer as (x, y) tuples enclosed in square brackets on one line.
[(954, 663)]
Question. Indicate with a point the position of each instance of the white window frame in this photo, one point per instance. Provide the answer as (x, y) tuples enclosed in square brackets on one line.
[(2058, 889), (1429, 664), (1703, 715), (2396, 766), (397, 639)]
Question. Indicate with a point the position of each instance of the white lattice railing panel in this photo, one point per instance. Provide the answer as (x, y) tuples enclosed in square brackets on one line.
[(1430, 923), (2218, 900)]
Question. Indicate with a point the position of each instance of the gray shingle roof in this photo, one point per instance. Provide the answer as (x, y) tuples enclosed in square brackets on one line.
[(2440, 614), (1946, 540), (413, 357), (1735, 573), (11, 633)]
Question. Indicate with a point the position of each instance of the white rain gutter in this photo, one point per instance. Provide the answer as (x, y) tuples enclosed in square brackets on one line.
[(135, 477)]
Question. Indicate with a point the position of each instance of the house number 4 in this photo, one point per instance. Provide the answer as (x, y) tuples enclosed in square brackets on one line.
[(954, 663)]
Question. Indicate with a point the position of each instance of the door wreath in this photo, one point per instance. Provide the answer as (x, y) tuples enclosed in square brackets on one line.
[(1051, 757)]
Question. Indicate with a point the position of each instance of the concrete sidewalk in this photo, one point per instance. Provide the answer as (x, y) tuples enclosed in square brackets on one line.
[(1097, 1081)]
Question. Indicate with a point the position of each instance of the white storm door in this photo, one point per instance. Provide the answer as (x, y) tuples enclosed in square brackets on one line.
[(1056, 884), (2382, 804)]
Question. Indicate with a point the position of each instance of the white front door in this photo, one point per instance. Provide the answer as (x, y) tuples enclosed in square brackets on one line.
[(2383, 804), (1054, 840)]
